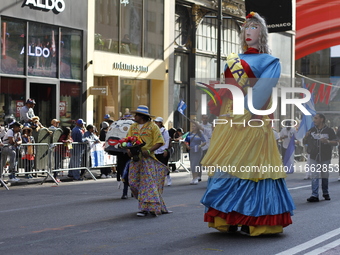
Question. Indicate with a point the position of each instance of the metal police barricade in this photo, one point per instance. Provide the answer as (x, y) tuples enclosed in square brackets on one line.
[(70, 156), (28, 159), (176, 154), (99, 158)]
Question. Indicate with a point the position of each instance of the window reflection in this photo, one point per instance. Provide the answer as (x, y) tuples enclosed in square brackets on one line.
[(107, 24), (11, 97), (69, 99), (70, 54), (131, 25), (42, 50), (12, 46), (154, 14), (133, 93), (121, 25)]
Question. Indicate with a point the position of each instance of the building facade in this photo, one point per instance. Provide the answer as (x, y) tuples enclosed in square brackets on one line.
[(43, 51), (129, 57)]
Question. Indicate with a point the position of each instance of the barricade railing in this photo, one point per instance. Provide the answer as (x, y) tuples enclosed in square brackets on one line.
[(26, 159), (70, 156), (44, 158), (176, 154), (99, 158)]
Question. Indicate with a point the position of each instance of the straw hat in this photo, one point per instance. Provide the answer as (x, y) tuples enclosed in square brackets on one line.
[(142, 109)]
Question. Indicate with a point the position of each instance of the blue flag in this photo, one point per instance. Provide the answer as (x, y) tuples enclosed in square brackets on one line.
[(306, 120), (181, 107), (288, 160)]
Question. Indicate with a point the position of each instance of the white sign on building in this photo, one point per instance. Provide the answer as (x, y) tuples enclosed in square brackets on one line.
[(56, 5)]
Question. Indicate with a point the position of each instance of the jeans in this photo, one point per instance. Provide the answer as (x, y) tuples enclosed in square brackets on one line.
[(317, 169), (11, 153), (75, 161)]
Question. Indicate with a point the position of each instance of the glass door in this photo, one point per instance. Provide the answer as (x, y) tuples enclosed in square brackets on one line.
[(45, 98)]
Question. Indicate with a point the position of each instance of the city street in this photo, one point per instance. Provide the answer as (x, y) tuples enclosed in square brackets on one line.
[(89, 217)]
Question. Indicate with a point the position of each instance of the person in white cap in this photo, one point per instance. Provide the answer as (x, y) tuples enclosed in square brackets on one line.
[(146, 176), (162, 153)]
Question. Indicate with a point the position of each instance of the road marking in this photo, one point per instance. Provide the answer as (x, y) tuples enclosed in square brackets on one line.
[(311, 243), (324, 248), (300, 187)]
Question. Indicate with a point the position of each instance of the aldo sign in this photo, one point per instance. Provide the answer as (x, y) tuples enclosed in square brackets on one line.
[(55, 5)]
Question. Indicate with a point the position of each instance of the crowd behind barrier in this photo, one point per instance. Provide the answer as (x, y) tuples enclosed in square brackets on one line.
[(50, 158)]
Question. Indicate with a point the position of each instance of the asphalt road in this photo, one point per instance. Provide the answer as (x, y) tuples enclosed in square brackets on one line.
[(90, 218)]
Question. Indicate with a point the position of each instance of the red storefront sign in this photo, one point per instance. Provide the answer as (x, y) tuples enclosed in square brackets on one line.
[(62, 108), (19, 104)]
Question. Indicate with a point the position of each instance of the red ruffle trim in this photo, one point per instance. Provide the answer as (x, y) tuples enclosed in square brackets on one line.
[(235, 218)]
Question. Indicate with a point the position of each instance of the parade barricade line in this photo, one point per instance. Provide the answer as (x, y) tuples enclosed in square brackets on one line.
[(29, 159), (99, 158), (176, 154), (70, 156)]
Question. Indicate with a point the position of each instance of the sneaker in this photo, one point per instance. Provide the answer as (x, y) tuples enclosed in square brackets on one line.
[(245, 230), (120, 184), (108, 176), (57, 180), (103, 176), (14, 179), (166, 212), (142, 214), (199, 179), (327, 197), (124, 197), (194, 181), (169, 180), (313, 199), (232, 229)]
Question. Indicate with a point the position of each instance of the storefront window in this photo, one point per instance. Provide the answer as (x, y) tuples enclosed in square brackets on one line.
[(107, 24), (132, 24), (12, 46), (12, 97), (154, 16), (133, 93), (207, 36), (121, 27), (42, 50), (70, 54), (105, 103), (70, 103)]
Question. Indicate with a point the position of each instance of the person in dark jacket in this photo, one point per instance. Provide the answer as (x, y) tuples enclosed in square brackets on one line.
[(320, 140)]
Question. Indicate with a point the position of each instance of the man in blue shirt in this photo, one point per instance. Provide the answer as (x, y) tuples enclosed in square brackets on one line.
[(77, 150)]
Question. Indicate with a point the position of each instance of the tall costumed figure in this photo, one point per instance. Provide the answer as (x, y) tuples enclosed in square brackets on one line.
[(244, 192)]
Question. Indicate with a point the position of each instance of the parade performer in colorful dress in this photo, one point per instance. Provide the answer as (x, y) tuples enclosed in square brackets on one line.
[(243, 187), (146, 176)]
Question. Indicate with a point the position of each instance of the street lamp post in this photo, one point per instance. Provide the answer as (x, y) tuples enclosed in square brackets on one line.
[(219, 37)]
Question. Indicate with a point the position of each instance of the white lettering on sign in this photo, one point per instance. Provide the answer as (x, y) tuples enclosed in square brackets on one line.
[(129, 67), (36, 51), (125, 2), (57, 5)]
